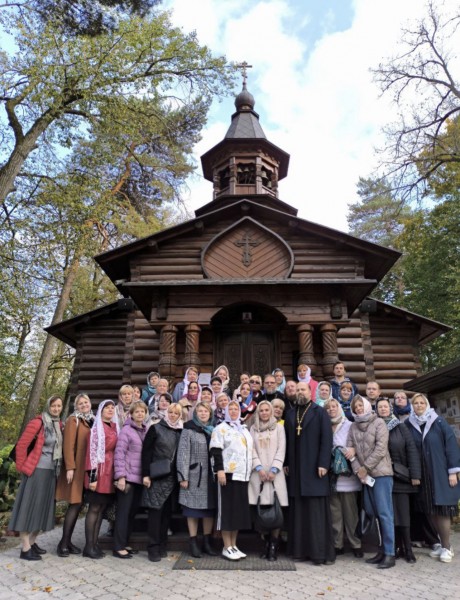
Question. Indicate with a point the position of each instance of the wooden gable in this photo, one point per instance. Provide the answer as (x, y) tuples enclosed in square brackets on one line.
[(247, 250)]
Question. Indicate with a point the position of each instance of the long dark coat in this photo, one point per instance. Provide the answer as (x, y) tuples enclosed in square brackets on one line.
[(441, 453), (404, 451), (315, 451), (160, 442)]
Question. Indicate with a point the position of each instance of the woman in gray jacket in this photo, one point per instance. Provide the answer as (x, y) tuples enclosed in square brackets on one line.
[(197, 490), (368, 450)]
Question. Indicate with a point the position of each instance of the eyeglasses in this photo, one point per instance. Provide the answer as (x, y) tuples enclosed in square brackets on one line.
[(254, 381)]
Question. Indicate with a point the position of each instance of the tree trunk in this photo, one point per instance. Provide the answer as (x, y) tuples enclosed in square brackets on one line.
[(22, 149), (49, 345)]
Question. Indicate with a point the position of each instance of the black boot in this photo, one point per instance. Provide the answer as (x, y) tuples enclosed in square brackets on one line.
[(207, 546), (378, 558), (154, 552), (194, 548), (399, 543), (273, 550), (266, 549), (387, 562), (408, 553)]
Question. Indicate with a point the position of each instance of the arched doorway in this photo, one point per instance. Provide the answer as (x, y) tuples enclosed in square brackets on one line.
[(246, 338)]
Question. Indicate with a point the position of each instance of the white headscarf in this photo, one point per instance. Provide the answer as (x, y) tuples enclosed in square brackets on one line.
[(97, 436)]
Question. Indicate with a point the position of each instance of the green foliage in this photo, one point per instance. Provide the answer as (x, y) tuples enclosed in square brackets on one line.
[(97, 137), (426, 279), (9, 479)]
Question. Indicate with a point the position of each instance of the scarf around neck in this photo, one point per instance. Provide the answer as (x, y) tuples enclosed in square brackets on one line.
[(269, 425), (52, 427)]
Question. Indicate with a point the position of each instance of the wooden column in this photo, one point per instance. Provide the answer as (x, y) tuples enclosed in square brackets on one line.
[(306, 354), (168, 359), (192, 345), (330, 349)]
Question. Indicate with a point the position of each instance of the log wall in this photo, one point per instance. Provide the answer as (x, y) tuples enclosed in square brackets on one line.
[(100, 358), (123, 348)]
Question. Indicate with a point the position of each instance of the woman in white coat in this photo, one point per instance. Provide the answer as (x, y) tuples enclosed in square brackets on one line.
[(269, 449)]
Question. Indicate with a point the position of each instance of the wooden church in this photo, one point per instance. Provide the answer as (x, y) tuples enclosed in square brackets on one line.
[(248, 284)]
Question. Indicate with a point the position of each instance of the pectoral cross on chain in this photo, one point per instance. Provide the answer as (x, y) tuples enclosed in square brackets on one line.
[(246, 243), (299, 429)]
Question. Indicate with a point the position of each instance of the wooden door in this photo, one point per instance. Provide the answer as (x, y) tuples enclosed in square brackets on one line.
[(252, 350)]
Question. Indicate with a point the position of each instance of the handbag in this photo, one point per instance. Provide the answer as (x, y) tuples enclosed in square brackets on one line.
[(270, 516), (368, 527), (339, 463), (30, 447), (160, 468), (401, 472)]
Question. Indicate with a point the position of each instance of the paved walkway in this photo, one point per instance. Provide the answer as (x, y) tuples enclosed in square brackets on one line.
[(77, 578)]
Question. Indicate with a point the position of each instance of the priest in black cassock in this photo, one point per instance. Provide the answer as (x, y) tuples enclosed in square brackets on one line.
[(308, 458)]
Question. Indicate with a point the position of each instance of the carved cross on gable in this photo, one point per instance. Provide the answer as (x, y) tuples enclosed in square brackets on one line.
[(247, 243)]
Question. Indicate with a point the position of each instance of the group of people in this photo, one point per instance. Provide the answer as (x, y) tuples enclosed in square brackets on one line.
[(318, 452)]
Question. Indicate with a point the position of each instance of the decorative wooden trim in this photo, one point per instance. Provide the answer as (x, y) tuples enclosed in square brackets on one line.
[(230, 270), (192, 346), (330, 348), (306, 353), (168, 358)]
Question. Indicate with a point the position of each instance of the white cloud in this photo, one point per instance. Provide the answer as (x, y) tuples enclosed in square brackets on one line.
[(316, 102)]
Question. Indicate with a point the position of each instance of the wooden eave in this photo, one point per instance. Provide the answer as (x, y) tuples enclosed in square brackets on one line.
[(266, 200), (378, 259), (429, 329), (354, 291), (441, 380), (228, 145), (68, 331)]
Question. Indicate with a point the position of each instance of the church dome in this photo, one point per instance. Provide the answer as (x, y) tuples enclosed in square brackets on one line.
[(244, 100)]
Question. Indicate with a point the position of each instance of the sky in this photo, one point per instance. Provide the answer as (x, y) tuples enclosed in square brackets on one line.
[(313, 88)]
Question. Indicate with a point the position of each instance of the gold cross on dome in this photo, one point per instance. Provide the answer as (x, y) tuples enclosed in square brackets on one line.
[(243, 66)]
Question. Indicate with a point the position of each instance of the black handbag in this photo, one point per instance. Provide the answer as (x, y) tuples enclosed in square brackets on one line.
[(270, 516), (369, 528), (401, 472), (160, 468), (30, 447)]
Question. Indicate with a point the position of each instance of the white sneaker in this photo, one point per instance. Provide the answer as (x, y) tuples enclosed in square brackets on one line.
[(239, 553), (230, 554), (446, 555), (436, 552)]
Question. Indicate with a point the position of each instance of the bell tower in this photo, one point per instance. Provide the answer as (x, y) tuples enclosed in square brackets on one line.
[(245, 163)]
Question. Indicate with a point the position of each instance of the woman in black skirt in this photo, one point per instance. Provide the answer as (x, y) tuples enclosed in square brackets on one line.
[(407, 473), (38, 458), (231, 453)]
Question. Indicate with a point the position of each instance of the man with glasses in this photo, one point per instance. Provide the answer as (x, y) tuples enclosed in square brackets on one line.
[(270, 392), (255, 382)]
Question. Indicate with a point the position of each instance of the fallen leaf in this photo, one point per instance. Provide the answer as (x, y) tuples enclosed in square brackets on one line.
[(48, 589), (190, 561), (330, 588)]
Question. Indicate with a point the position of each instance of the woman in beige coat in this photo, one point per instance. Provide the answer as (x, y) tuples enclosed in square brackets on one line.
[(268, 453), (70, 483)]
